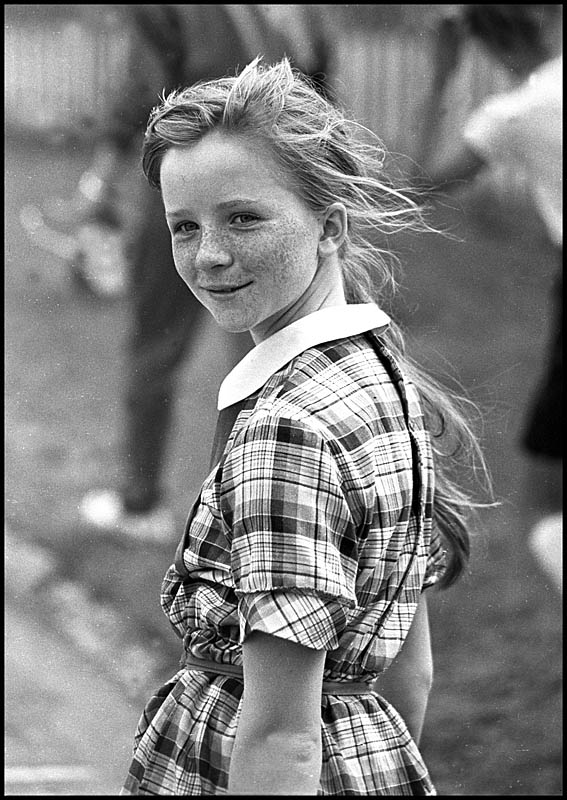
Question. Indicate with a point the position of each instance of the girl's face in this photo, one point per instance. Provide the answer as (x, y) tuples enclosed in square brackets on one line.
[(243, 242)]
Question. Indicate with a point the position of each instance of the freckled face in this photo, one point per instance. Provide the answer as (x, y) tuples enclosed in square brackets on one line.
[(243, 242)]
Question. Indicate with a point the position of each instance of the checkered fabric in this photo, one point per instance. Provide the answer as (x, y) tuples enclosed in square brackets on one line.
[(316, 527)]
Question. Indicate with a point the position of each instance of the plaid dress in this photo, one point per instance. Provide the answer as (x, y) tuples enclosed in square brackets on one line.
[(315, 526)]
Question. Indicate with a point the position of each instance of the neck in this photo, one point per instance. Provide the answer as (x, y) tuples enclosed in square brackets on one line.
[(326, 290)]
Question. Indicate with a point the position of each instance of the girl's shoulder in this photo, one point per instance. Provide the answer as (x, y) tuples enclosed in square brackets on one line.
[(335, 385)]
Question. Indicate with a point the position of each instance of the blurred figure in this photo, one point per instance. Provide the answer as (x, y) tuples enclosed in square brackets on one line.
[(172, 45), (522, 128), (445, 22)]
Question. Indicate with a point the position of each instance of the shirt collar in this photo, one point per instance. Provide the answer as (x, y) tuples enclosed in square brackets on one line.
[(266, 358)]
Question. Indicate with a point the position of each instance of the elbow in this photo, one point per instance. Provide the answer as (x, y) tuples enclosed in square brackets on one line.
[(422, 681), (411, 686), (417, 688), (276, 763), (299, 748), (424, 678)]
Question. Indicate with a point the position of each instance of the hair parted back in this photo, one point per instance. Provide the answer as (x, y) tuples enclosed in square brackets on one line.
[(326, 156), (330, 158)]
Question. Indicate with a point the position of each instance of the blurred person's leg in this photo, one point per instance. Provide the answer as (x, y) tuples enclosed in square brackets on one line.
[(543, 441), (544, 429), (543, 510), (165, 322), (165, 318)]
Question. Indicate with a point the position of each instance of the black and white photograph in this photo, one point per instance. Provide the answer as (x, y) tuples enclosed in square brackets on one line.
[(283, 399)]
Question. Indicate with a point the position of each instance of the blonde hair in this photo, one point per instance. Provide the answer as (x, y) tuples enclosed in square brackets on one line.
[(330, 158)]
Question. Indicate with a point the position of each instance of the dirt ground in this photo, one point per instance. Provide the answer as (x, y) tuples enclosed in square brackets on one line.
[(477, 306)]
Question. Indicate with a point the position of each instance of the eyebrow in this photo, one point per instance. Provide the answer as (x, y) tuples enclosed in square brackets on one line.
[(226, 204), (236, 202)]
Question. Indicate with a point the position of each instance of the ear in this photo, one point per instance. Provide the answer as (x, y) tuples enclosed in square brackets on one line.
[(334, 227)]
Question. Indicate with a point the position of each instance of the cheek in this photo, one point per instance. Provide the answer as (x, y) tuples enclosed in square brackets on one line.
[(184, 259), (296, 259)]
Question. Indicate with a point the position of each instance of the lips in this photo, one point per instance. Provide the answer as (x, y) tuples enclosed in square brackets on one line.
[(225, 289)]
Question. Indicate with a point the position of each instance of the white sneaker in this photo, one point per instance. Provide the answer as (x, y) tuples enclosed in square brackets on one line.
[(105, 510), (546, 544)]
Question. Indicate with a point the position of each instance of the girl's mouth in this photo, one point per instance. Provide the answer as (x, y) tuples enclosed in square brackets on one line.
[(226, 289)]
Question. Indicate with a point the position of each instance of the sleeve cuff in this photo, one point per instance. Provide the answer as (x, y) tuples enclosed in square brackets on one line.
[(308, 619)]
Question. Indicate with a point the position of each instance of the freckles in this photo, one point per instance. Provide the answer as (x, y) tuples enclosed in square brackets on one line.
[(296, 256), (220, 239), (286, 267), (184, 259)]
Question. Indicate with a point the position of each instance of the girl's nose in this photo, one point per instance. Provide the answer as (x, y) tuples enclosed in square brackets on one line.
[(213, 252)]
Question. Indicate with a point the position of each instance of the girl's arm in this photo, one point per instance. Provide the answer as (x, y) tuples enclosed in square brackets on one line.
[(407, 682), (277, 749)]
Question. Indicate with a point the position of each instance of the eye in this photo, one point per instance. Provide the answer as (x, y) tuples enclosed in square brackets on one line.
[(245, 218), (185, 227)]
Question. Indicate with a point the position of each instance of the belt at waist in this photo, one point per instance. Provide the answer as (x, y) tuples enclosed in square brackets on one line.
[(190, 662)]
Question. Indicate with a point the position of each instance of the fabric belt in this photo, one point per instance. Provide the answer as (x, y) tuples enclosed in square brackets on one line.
[(194, 664)]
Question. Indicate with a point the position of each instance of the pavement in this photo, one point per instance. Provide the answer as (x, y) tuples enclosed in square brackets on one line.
[(57, 741), (86, 640)]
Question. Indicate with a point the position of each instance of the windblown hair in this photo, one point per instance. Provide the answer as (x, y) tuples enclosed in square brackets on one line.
[(329, 158)]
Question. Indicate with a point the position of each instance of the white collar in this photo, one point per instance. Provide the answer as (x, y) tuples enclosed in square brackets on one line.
[(325, 325)]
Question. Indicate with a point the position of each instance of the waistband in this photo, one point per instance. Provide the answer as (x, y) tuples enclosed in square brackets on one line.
[(194, 664)]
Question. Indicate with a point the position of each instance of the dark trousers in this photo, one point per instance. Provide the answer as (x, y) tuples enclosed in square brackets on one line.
[(543, 434), (166, 320)]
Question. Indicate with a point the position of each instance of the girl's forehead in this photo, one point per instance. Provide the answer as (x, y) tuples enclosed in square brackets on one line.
[(224, 162), (218, 150), (215, 176)]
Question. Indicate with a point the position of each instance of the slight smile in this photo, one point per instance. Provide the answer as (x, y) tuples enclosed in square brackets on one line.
[(226, 289)]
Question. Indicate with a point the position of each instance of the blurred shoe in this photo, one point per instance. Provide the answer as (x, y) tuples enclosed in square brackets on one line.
[(546, 544), (105, 510), (95, 253), (62, 245), (103, 263)]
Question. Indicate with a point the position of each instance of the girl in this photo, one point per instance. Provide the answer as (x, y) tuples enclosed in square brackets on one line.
[(327, 511)]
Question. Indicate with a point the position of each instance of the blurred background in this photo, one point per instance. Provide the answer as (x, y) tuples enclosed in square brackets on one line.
[(86, 641)]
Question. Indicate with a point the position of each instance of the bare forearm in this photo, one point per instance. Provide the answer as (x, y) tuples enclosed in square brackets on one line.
[(277, 764), (277, 748)]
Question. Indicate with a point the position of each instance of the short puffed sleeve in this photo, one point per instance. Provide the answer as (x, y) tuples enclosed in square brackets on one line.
[(294, 552)]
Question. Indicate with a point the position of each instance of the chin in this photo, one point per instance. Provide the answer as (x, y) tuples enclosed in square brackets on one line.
[(230, 325)]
